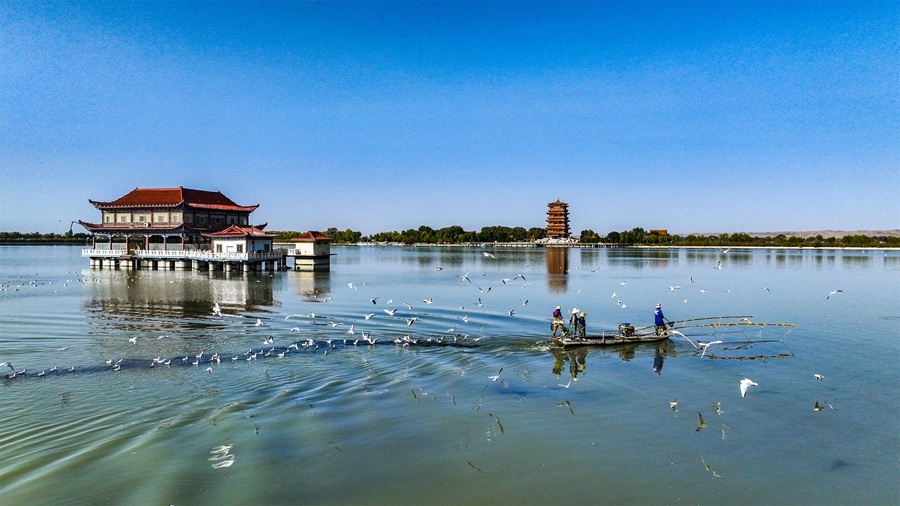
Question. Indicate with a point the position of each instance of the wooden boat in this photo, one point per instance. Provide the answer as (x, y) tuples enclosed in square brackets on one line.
[(607, 339), (710, 327)]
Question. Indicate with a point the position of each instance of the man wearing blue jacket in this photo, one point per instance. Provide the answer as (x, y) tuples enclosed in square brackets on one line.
[(660, 320)]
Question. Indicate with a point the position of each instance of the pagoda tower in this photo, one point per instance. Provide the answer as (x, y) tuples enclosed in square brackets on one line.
[(557, 220)]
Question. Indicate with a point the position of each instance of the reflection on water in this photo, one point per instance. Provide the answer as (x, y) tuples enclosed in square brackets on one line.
[(576, 357), (175, 294), (312, 286), (557, 269), (658, 360), (147, 434)]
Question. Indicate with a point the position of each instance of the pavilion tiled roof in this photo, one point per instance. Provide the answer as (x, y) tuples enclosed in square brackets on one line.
[(236, 231), (311, 236), (132, 228), (172, 197)]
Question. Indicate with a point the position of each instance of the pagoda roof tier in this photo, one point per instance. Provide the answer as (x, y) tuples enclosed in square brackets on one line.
[(134, 228), (311, 236), (173, 197), (236, 231)]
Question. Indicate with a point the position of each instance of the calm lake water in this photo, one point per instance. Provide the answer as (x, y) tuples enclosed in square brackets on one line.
[(424, 424)]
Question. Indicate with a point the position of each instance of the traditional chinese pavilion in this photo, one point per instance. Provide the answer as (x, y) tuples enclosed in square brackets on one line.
[(178, 228), (165, 218), (557, 220)]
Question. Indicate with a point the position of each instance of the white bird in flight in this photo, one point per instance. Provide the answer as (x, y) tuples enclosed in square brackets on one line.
[(495, 378), (745, 385), (704, 346), (427, 301), (488, 255), (833, 293)]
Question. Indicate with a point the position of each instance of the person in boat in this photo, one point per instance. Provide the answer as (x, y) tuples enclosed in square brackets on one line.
[(557, 321), (573, 321), (581, 329), (660, 320)]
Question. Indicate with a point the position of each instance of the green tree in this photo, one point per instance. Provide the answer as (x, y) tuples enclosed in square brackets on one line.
[(588, 236), (535, 233)]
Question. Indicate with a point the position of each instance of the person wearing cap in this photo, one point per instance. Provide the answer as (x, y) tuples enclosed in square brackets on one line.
[(660, 320), (557, 322), (573, 321), (581, 330)]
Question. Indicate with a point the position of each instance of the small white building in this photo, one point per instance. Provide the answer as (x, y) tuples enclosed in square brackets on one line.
[(249, 241), (311, 250)]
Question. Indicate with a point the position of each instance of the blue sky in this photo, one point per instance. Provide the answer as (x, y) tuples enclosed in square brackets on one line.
[(695, 117)]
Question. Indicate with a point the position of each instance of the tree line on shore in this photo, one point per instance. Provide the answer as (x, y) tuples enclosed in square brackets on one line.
[(67, 237), (636, 236), (456, 235)]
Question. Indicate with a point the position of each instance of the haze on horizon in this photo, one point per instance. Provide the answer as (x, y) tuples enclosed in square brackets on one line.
[(696, 117)]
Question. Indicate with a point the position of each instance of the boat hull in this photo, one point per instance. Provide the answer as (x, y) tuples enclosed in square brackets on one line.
[(606, 340)]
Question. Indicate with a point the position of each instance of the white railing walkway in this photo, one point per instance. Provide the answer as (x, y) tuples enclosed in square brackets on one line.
[(204, 255)]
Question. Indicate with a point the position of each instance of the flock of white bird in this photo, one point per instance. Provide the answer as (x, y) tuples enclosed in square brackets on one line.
[(354, 336)]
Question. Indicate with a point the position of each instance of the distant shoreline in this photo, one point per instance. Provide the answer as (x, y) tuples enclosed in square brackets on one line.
[(526, 245), (38, 242)]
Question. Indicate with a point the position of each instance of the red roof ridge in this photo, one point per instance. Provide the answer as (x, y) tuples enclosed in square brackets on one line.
[(237, 231), (312, 235), (172, 197)]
